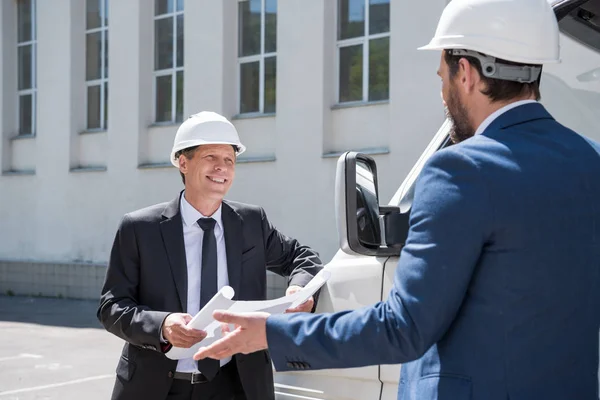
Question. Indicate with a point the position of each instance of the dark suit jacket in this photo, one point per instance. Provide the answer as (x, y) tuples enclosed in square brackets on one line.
[(147, 279), (497, 291)]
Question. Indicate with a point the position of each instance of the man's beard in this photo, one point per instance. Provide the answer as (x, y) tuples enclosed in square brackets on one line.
[(458, 115)]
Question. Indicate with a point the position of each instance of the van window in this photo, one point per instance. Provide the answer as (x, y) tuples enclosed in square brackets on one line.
[(583, 24)]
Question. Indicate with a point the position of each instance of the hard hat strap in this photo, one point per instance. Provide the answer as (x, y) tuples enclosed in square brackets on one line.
[(496, 70)]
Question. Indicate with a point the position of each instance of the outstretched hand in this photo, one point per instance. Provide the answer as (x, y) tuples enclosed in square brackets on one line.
[(249, 335)]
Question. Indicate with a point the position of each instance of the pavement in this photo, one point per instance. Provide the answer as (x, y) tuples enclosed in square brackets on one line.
[(55, 349)]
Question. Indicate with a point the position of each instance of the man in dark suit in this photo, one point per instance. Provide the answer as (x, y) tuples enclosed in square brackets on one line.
[(496, 295), (170, 259)]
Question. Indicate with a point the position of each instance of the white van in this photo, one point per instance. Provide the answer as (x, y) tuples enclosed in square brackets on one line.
[(363, 275)]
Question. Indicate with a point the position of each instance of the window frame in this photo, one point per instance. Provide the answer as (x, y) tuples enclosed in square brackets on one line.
[(103, 80), (33, 89), (260, 57), (174, 70), (363, 40)]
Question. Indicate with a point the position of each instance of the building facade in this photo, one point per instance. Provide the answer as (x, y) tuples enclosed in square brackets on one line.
[(93, 92)]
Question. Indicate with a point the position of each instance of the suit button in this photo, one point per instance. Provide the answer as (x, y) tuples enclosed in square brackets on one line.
[(290, 364), (170, 374)]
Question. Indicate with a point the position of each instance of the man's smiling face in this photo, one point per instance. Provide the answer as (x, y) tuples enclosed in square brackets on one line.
[(210, 170)]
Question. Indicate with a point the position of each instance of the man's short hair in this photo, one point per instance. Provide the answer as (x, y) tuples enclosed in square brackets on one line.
[(496, 89)]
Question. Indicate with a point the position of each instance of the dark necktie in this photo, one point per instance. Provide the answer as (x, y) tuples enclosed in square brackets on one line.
[(208, 284)]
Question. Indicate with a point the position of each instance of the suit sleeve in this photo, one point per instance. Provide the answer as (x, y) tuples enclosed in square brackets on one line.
[(119, 311), (447, 232), (287, 257)]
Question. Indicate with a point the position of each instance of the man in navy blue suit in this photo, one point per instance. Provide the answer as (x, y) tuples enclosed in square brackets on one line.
[(497, 291)]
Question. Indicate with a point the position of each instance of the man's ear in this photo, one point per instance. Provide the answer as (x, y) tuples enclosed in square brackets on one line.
[(468, 76), (183, 163)]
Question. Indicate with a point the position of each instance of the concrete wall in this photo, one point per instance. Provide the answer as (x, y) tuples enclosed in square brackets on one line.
[(69, 208)]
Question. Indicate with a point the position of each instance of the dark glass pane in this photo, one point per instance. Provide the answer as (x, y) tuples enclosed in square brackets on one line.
[(25, 67), (179, 99), (164, 98), (24, 15), (351, 73), (583, 25), (163, 6), (105, 16), (180, 40), (271, 26), (93, 53), (351, 17), (249, 27), (93, 107), (163, 43), (249, 91), (25, 114), (105, 34), (179, 5), (379, 16), (105, 105), (93, 14), (379, 69), (270, 84)]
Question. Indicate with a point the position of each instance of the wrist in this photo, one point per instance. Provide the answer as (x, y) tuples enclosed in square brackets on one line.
[(161, 336)]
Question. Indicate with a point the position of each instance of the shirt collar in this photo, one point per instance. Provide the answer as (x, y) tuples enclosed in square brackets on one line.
[(190, 215), (484, 125)]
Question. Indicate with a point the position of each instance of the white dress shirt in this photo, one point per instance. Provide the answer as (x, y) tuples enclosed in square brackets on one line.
[(192, 237), (486, 122)]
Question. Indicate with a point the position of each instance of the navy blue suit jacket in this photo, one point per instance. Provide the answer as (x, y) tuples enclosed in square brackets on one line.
[(497, 291)]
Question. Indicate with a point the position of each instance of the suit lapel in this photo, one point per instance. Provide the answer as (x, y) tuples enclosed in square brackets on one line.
[(232, 226), (172, 233)]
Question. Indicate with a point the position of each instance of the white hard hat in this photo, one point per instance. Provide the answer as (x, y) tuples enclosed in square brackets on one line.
[(521, 31), (206, 127)]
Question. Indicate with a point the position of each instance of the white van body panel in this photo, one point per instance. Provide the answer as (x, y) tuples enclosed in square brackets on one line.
[(355, 282)]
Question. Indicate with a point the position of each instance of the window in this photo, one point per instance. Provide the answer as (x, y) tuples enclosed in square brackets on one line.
[(168, 60), (96, 58), (582, 23), (26, 66), (363, 50), (257, 46)]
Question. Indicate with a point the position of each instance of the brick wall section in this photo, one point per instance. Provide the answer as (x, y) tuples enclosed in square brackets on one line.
[(74, 280)]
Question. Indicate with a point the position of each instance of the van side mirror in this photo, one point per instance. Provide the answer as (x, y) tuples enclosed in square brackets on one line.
[(361, 227)]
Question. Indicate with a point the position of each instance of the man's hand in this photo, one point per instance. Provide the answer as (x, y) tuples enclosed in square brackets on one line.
[(307, 306), (176, 331), (250, 335)]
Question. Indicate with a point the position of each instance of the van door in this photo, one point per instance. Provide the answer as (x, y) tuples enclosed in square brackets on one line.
[(355, 282), (571, 89), (390, 374)]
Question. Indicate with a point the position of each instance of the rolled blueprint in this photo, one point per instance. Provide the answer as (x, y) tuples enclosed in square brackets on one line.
[(222, 301)]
